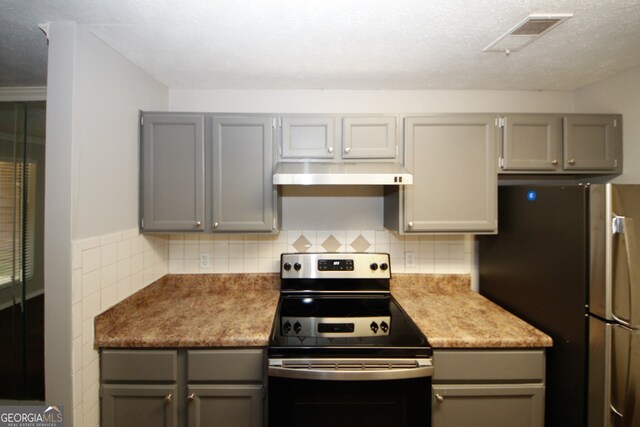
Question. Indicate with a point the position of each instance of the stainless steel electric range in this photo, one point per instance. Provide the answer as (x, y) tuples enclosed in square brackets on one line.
[(342, 352)]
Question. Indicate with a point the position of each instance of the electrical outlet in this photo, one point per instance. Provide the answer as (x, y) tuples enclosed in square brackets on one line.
[(409, 259), (205, 260)]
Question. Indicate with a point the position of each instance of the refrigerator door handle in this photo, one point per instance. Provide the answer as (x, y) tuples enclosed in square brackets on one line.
[(625, 227), (633, 263), (617, 225)]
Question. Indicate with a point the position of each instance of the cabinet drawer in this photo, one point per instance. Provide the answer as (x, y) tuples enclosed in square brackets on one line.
[(139, 365), (225, 365), (479, 365)]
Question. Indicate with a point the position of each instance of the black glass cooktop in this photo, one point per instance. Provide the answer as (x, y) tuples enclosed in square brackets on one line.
[(347, 326)]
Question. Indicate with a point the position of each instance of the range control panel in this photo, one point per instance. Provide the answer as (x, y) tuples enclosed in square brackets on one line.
[(358, 265), (336, 327)]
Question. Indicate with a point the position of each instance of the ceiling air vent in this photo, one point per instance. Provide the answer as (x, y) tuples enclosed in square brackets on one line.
[(526, 31)]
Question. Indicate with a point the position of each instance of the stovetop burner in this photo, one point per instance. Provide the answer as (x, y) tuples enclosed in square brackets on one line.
[(340, 305)]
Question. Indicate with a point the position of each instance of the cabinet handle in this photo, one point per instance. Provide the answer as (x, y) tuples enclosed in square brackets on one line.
[(554, 162), (330, 149), (198, 223), (215, 225), (168, 398), (439, 398), (572, 161), (191, 397), (410, 224), (347, 150)]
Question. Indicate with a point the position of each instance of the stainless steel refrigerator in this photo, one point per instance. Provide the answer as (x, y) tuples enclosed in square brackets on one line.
[(566, 259)]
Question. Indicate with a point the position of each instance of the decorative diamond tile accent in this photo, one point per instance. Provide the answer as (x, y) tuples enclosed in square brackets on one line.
[(302, 244), (360, 244), (331, 244)]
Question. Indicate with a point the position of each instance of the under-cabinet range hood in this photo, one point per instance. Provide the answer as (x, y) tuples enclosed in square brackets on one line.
[(346, 173)]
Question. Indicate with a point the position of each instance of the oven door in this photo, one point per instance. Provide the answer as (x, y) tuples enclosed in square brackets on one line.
[(347, 392)]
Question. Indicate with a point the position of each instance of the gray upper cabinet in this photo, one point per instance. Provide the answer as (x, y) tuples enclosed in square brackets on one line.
[(306, 137), (453, 162), (593, 142), (173, 172), (561, 144), (369, 138), (531, 143), (319, 138), (242, 156)]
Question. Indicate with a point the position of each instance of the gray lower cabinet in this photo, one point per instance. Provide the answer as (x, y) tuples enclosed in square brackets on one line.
[(139, 405), (491, 388), (172, 172), (182, 388), (453, 162), (225, 387), (225, 405), (242, 158), (561, 144)]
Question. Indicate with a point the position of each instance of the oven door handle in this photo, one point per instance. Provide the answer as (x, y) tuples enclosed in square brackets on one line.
[(352, 374)]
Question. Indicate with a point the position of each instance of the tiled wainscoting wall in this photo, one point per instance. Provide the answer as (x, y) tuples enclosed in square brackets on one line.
[(250, 253), (106, 270)]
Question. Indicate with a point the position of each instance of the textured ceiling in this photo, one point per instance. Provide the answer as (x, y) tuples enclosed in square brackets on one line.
[(334, 44)]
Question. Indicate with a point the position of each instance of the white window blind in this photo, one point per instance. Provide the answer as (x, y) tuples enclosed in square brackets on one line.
[(12, 188)]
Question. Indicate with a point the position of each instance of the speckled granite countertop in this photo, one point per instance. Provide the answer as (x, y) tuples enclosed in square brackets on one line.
[(213, 310), (236, 310), (451, 315)]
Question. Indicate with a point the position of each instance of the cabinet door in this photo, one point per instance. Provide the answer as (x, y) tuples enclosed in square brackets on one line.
[(225, 405), (453, 162), (173, 182), (242, 174), (139, 406), (593, 142), (532, 143), (488, 405), (369, 137), (308, 138)]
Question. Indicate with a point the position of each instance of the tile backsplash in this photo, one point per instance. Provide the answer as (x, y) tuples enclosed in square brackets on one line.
[(250, 253), (106, 270)]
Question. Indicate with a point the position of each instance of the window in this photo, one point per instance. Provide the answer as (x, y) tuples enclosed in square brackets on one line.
[(12, 187)]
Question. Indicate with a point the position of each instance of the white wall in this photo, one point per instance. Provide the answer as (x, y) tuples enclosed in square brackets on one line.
[(108, 93), (618, 94), (370, 101), (94, 95)]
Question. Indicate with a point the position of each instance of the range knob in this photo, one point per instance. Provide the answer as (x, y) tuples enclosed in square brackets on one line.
[(297, 266), (374, 327), (287, 266), (297, 327), (373, 266), (384, 326), (286, 327), (384, 266)]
